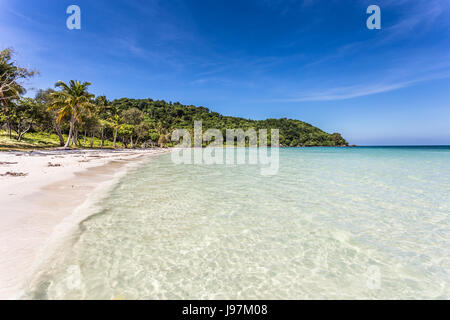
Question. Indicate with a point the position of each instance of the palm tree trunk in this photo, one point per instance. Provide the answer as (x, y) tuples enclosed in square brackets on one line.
[(115, 137), (78, 141), (103, 137), (92, 140), (72, 122), (75, 137), (59, 133)]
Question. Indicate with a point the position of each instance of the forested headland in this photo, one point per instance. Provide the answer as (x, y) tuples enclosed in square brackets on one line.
[(70, 116)]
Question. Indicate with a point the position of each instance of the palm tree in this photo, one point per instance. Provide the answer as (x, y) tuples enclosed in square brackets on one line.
[(164, 136), (116, 120), (71, 101), (103, 109)]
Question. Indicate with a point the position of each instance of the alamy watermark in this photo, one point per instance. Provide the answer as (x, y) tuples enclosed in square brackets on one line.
[(74, 20), (374, 21), (238, 147)]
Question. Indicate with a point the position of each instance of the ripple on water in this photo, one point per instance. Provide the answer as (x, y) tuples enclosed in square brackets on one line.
[(340, 223)]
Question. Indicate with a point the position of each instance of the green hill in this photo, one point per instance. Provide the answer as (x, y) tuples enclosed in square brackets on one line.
[(293, 133)]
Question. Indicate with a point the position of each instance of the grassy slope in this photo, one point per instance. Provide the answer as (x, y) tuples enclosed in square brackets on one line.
[(43, 140)]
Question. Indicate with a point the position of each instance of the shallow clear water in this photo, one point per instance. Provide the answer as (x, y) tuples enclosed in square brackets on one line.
[(333, 223)]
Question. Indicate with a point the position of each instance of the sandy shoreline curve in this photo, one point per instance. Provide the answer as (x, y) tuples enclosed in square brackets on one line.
[(41, 196)]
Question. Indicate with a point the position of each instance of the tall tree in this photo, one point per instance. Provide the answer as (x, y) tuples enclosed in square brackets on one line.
[(24, 115), (102, 108), (133, 117), (12, 80), (116, 121), (43, 97), (72, 101)]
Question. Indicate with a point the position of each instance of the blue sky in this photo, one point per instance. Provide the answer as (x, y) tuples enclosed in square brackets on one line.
[(312, 60)]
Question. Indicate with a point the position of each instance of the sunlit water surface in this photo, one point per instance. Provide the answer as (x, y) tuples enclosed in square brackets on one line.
[(333, 223)]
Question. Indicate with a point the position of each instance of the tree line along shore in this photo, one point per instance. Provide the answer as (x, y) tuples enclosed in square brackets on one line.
[(70, 116)]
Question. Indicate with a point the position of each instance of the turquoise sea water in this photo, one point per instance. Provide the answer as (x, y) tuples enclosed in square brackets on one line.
[(337, 223)]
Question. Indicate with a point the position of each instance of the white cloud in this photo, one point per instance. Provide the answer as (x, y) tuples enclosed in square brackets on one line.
[(355, 91)]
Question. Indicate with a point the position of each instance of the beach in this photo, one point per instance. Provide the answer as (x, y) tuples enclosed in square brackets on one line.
[(333, 223), (40, 192)]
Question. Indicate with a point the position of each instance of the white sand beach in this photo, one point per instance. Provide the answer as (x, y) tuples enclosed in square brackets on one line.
[(39, 194)]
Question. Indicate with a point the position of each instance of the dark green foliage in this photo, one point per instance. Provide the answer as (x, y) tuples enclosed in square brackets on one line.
[(165, 117)]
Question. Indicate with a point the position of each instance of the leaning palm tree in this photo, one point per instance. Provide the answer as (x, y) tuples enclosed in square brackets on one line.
[(71, 101)]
